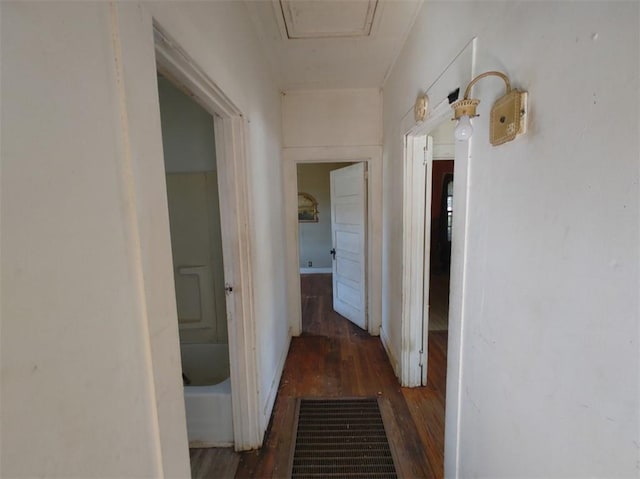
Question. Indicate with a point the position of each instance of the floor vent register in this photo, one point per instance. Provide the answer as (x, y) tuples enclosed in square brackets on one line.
[(341, 438)]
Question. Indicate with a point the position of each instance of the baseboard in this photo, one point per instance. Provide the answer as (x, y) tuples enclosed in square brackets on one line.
[(315, 270), (392, 357), (271, 396)]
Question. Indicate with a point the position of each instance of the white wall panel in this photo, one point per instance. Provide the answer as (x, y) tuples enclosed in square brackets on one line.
[(549, 385), (88, 313), (332, 117)]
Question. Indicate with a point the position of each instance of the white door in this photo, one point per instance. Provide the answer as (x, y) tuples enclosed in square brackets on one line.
[(348, 232)]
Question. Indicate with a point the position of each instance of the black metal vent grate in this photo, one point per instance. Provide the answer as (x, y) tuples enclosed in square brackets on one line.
[(341, 438)]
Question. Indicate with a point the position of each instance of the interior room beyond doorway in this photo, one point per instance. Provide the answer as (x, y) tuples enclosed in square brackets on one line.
[(314, 231), (440, 244), (441, 226), (191, 174)]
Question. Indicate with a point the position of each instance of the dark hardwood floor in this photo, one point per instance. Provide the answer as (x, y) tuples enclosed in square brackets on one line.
[(213, 463), (439, 302), (334, 358)]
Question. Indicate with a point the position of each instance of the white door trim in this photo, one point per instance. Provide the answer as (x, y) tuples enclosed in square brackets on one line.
[(230, 127), (457, 75), (413, 226), (373, 156)]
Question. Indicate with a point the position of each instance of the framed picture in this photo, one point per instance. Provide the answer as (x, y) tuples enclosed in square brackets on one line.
[(307, 208)]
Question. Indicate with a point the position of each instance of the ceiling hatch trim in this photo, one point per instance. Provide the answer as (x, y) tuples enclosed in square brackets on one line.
[(317, 19)]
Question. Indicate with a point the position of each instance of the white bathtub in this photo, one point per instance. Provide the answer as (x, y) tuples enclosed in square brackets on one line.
[(207, 399)]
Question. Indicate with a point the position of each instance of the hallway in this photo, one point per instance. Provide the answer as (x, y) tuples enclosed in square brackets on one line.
[(334, 358), (543, 371)]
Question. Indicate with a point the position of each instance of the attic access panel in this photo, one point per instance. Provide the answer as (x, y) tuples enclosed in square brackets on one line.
[(314, 19)]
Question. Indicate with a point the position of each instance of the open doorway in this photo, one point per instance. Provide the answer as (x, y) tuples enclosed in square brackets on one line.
[(196, 243), (428, 239), (418, 155), (332, 242), (440, 230), (438, 237), (440, 244), (371, 156), (228, 309)]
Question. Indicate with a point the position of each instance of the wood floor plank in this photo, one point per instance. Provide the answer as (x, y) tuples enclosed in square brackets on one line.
[(334, 358), (220, 463)]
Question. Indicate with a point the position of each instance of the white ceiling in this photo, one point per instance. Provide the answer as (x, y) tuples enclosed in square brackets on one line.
[(332, 43)]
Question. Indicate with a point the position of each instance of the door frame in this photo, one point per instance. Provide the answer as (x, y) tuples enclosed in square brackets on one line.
[(456, 75), (412, 354), (230, 129), (372, 155)]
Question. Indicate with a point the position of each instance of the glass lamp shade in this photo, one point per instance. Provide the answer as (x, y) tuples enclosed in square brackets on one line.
[(463, 130)]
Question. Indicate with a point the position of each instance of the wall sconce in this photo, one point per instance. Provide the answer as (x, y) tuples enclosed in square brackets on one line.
[(508, 114)]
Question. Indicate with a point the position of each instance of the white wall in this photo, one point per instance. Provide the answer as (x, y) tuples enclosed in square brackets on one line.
[(315, 238), (332, 118), (549, 379), (78, 397), (90, 360), (329, 126)]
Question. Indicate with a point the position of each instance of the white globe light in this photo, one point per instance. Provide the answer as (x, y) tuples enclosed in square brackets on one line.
[(463, 130)]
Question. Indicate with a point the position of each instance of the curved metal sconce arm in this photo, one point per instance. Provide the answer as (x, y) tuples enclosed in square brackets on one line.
[(508, 113), (467, 92)]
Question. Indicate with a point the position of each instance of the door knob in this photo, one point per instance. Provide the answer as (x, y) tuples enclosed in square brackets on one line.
[(333, 253)]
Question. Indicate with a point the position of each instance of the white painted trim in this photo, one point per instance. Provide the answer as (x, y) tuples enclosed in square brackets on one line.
[(458, 282), (413, 212), (457, 314), (457, 75), (278, 14), (273, 389), (373, 156), (315, 270), (426, 263), (231, 147), (177, 63)]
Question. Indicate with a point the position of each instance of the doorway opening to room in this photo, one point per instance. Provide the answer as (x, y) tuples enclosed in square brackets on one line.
[(429, 232), (191, 174), (203, 135), (439, 225), (429, 143), (438, 235), (332, 245), (369, 160)]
